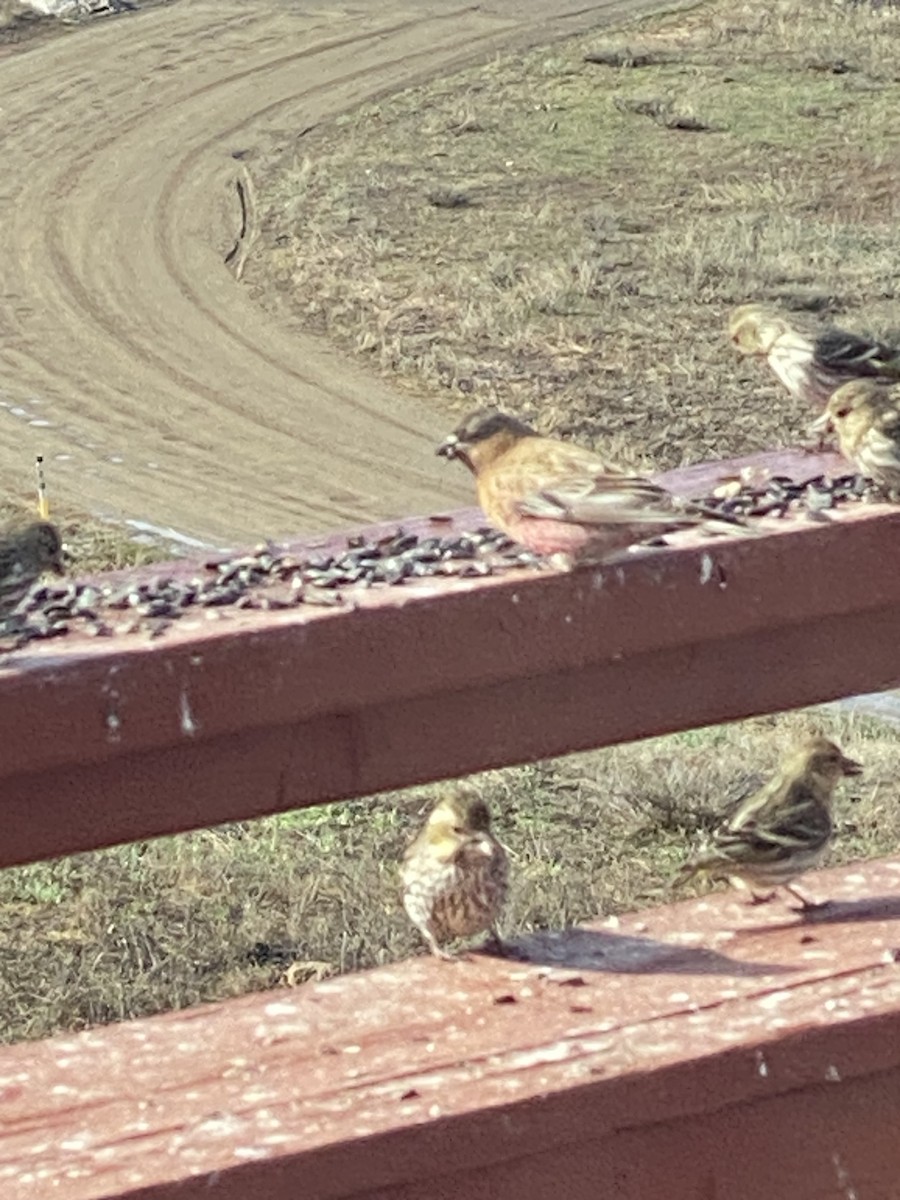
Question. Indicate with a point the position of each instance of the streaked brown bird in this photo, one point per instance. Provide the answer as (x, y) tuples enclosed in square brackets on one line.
[(865, 416), (562, 500), (455, 872), (25, 554), (784, 829), (811, 362)]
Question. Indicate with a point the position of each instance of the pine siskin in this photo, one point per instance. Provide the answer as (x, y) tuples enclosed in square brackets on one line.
[(559, 499), (24, 556), (811, 362), (454, 872), (782, 830), (866, 418)]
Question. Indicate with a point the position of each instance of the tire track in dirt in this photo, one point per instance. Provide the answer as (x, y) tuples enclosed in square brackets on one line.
[(129, 355)]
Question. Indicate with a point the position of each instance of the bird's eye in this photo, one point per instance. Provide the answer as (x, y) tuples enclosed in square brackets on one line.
[(458, 829), (842, 412)]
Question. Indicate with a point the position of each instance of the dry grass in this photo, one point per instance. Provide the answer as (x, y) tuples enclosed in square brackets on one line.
[(159, 925), (563, 238), (611, 217)]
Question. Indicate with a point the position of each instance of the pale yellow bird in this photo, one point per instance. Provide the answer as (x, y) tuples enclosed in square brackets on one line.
[(811, 361), (865, 416), (784, 829), (455, 872)]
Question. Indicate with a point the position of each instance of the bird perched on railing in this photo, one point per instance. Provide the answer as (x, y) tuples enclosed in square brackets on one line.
[(454, 872), (865, 416), (782, 830), (561, 500), (811, 362), (25, 554)]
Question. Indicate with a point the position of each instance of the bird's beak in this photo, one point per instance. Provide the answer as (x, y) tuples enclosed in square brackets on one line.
[(822, 424), (850, 767), (449, 447)]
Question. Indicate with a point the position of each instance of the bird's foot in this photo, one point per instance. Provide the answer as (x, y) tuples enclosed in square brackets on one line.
[(493, 944), (448, 955), (807, 904), (756, 899)]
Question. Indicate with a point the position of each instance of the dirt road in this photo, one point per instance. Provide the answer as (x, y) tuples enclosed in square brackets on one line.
[(129, 355)]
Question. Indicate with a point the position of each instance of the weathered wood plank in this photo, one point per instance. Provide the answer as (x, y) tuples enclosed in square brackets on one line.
[(707, 1049), (118, 739)]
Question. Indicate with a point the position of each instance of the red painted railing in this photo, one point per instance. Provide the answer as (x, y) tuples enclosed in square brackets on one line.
[(696, 1051)]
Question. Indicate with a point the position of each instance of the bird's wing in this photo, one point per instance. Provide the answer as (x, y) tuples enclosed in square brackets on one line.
[(882, 439), (881, 449), (786, 815), (603, 502), (565, 482), (839, 350)]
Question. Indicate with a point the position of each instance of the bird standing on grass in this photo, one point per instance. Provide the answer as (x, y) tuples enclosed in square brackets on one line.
[(454, 872), (811, 362), (865, 416), (782, 830), (562, 500), (25, 554)]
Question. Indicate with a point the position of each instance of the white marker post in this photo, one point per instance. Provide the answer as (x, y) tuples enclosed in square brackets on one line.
[(43, 506)]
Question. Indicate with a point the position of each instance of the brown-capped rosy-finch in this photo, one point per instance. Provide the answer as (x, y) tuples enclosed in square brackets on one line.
[(454, 872), (865, 416), (562, 500), (25, 554), (782, 830), (811, 362)]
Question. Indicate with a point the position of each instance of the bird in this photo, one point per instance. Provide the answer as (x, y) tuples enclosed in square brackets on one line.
[(562, 501), (455, 872), (783, 829), (25, 554), (865, 416), (811, 362)]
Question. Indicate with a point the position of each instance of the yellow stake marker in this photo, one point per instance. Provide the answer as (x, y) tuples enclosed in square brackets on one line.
[(43, 506)]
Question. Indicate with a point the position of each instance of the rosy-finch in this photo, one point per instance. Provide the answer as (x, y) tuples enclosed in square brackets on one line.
[(811, 362), (865, 416), (24, 556), (559, 499), (782, 830), (454, 872)]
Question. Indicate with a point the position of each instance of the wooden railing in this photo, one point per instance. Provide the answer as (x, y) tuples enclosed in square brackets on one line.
[(701, 1050)]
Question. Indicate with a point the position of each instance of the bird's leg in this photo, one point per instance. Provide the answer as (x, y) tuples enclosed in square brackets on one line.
[(806, 904), (493, 943), (756, 898), (439, 951)]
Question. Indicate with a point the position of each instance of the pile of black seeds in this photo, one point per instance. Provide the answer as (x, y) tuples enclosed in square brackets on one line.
[(780, 496), (267, 579)]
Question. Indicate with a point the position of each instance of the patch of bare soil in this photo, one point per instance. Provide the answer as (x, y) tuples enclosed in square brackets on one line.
[(152, 383)]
